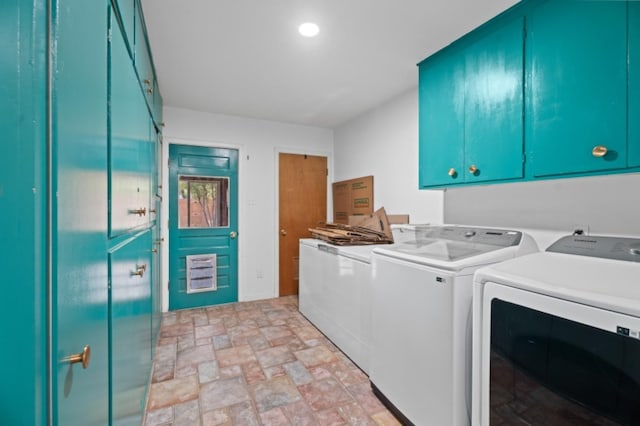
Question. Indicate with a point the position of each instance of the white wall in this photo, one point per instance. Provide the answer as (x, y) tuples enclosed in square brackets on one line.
[(384, 143), (608, 204), (259, 143)]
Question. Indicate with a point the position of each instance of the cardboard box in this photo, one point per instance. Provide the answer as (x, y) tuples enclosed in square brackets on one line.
[(398, 219), (377, 221), (353, 197)]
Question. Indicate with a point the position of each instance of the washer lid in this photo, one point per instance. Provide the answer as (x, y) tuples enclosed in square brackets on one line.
[(593, 281), (446, 245)]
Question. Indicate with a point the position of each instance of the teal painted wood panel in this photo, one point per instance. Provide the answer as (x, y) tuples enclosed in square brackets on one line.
[(127, 17), (634, 84), (23, 213), (143, 58), (494, 128), (441, 119), (577, 86), (130, 275), (130, 144), (220, 162), (79, 223)]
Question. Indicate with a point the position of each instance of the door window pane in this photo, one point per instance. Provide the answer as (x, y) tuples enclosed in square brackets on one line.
[(203, 202)]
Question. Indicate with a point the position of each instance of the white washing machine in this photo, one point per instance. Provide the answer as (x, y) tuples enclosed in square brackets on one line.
[(422, 290), (335, 292), (557, 335)]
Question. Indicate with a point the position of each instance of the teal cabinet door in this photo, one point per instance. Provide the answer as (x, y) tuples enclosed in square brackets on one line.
[(130, 323), (634, 84), (441, 120), (494, 129), (129, 145), (576, 110), (79, 207), (126, 11), (23, 213), (143, 58)]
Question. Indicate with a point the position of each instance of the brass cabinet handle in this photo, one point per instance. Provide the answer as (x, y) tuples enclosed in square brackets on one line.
[(149, 91), (599, 151), (473, 169), (140, 270), (154, 250), (84, 357), (146, 81), (283, 232), (452, 172), (233, 234), (140, 212)]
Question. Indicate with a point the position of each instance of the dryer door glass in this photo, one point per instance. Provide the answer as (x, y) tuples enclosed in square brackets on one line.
[(548, 370)]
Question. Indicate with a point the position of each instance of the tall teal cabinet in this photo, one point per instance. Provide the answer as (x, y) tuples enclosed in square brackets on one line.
[(79, 204)]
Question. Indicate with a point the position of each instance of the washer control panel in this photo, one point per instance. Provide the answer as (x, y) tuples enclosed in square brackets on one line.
[(495, 237), (616, 248)]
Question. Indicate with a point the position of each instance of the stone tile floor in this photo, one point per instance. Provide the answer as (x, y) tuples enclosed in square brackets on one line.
[(255, 363)]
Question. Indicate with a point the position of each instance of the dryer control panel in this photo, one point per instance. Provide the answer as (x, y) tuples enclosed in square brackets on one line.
[(616, 248)]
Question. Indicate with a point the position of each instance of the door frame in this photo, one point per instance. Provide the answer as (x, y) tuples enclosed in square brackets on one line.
[(165, 208), (276, 229)]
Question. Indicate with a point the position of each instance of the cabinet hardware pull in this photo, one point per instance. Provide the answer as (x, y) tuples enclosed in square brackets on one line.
[(146, 81), (149, 91), (452, 172), (154, 250), (140, 212), (233, 234), (473, 169), (84, 357), (152, 211), (599, 151)]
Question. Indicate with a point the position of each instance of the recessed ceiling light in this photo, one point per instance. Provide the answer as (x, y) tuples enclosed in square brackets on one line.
[(309, 29)]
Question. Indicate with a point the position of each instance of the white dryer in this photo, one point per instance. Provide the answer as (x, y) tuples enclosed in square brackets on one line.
[(557, 335), (421, 312)]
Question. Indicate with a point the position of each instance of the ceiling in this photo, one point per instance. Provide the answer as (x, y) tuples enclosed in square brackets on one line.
[(246, 58)]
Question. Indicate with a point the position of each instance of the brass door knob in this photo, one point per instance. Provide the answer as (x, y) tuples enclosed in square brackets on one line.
[(473, 169), (452, 172), (233, 234), (84, 357), (283, 232), (599, 151)]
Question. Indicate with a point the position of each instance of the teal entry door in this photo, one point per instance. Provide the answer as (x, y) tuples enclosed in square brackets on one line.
[(203, 224)]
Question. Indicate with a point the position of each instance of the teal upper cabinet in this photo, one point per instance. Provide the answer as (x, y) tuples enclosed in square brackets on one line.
[(494, 105), (577, 96), (129, 146), (125, 9), (143, 58), (441, 120), (634, 84), (471, 105)]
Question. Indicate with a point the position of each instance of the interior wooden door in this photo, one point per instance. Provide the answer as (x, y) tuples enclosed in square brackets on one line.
[(302, 204)]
